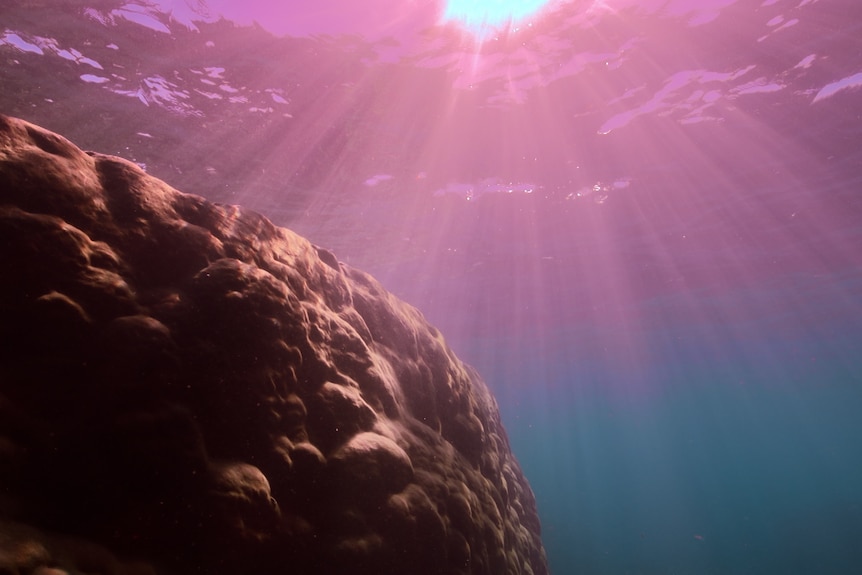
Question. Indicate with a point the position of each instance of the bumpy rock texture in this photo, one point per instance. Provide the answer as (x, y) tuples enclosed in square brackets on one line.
[(186, 388)]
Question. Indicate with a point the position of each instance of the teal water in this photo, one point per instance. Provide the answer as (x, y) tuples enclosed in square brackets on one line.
[(706, 476), (679, 407)]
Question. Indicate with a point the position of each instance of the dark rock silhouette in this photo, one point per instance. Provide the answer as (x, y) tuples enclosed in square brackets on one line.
[(187, 388)]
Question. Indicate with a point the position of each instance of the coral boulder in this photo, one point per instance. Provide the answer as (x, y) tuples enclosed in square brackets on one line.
[(185, 387)]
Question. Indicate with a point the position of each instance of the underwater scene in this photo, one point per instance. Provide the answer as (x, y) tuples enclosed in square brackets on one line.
[(639, 222)]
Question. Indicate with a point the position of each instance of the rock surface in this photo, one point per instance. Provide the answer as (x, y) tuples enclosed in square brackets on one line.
[(185, 387)]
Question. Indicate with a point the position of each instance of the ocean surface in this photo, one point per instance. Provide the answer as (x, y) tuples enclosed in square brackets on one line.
[(641, 222)]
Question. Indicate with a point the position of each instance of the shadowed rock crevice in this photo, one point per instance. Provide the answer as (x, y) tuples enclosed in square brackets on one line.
[(185, 387)]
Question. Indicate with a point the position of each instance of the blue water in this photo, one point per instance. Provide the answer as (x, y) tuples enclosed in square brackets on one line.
[(710, 454), (705, 478)]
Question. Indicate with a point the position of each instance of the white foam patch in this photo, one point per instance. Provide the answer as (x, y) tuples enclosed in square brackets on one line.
[(93, 79), (277, 98), (140, 15), (829, 90), (45, 46), (806, 62), (682, 92), (10, 38), (374, 180)]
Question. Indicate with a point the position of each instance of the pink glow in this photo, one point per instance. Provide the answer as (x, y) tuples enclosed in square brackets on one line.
[(535, 156), (373, 19)]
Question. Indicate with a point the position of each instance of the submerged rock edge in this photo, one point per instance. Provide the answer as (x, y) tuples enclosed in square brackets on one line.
[(184, 385)]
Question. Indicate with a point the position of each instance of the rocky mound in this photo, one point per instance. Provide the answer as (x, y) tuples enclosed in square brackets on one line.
[(185, 387)]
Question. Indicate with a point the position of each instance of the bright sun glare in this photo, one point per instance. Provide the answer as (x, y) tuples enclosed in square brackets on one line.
[(481, 14)]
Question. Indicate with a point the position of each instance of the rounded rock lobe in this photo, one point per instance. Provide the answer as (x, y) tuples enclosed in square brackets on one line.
[(186, 387)]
